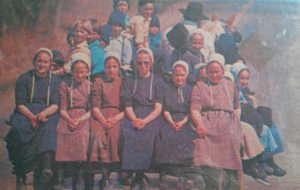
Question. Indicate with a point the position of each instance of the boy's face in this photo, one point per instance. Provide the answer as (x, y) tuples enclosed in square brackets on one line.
[(123, 7), (153, 30), (147, 10), (80, 35), (92, 37), (116, 30)]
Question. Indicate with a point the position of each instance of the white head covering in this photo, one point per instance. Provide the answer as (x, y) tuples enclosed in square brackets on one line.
[(237, 68), (113, 54), (45, 50), (216, 57), (147, 50), (80, 57), (182, 63), (197, 67)]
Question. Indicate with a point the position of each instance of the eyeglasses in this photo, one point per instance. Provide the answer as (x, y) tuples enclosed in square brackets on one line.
[(143, 62)]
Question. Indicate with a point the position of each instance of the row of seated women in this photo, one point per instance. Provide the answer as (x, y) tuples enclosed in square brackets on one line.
[(137, 124)]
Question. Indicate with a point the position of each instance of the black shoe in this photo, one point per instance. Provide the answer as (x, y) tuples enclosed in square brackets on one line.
[(277, 171), (59, 184), (21, 183), (266, 168), (263, 181), (140, 184)]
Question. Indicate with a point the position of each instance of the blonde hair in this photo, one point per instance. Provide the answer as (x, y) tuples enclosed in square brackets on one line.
[(83, 24)]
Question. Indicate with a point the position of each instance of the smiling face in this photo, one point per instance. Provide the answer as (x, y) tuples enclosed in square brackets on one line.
[(80, 71), (197, 41), (179, 75), (144, 64), (80, 34), (243, 78), (111, 68), (42, 63), (215, 72)]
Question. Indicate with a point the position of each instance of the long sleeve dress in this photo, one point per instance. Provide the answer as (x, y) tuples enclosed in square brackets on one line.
[(138, 145), (221, 146), (176, 147), (72, 144), (105, 96), (23, 141)]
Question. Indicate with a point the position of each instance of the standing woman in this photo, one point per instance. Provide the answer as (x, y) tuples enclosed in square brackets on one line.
[(215, 112), (142, 99), (106, 118), (73, 126), (175, 143), (31, 141)]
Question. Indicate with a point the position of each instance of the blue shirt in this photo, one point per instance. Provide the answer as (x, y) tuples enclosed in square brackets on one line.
[(97, 57)]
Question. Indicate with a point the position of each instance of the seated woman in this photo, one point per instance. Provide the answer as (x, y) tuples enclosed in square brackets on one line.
[(73, 127), (31, 142), (142, 98), (269, 135), (215, 112), (106, 119), (175, 143)]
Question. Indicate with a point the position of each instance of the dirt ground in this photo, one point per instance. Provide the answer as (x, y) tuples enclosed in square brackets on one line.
[(271, 48)]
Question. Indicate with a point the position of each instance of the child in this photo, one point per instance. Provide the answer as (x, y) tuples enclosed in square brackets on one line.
[(74, 126), (58, 63), (81, 30), (139, 24), (196, 44), (118, 42), (123, 6), (97, 51)]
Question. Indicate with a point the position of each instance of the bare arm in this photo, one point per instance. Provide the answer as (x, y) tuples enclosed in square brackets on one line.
[(27, 113), (52, 109), (237, 112), (154, 114), (197, 121)]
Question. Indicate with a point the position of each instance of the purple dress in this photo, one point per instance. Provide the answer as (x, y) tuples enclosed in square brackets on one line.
[(176, 147), (138, 145), (23, 141)]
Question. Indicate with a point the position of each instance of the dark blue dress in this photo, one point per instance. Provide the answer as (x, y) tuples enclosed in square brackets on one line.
[(176, 147), (138, 145), (23, 141)]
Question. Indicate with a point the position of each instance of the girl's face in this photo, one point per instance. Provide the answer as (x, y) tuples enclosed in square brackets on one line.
[(122, 6), (243, 78), (116, 30), (144, 64), (215, 72), (179, 76), (42, 64), (111, 68), (80, 35), (202, 73), (197, 42), (80, 71), (147, 10)]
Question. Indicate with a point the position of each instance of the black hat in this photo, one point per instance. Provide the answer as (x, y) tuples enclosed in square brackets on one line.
[(178, 35), (117, 17), (194, 12), (143, 2)]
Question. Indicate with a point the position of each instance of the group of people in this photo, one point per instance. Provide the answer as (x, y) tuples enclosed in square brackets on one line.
[(129, 100)]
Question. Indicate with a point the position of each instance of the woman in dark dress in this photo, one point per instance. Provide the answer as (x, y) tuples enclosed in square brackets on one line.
[(31, 141), (142, 98), (175, 144)]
